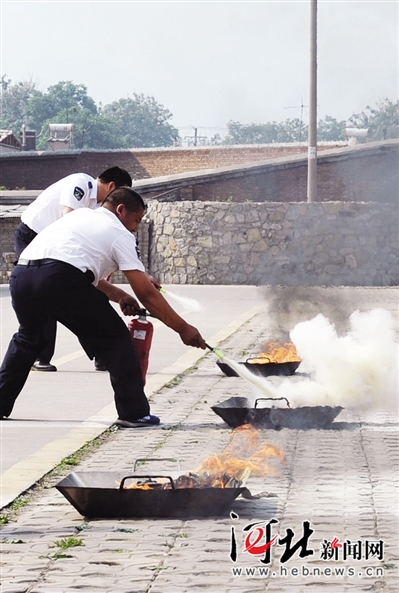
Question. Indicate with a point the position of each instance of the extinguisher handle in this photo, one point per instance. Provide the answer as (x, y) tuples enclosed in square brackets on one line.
[(144, 313)]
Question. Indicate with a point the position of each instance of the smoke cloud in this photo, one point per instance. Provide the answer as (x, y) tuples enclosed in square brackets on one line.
[(358, 370), (188, 303)]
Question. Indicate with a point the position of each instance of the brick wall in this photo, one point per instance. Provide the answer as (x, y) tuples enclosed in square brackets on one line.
[(352, 176), (366, 173), (34, 170), (179, 160), (271, 184)]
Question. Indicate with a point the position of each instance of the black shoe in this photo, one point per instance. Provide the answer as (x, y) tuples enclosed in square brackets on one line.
[(99, 365), (43, 366), (149, 420)]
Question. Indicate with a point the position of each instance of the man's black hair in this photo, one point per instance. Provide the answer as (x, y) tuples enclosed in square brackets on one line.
[(119, 176), (126, 196)]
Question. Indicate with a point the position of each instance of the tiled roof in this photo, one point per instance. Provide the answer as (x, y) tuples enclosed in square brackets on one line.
[(8, 139)]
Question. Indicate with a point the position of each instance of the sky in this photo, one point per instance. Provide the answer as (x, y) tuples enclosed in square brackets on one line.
[(208, 62)]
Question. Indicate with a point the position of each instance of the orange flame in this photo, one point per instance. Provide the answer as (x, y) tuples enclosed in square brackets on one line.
[(246, 453), (138, 487), (275, 352)]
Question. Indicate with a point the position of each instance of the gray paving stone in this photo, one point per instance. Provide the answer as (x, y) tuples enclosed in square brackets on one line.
[(343, 481)]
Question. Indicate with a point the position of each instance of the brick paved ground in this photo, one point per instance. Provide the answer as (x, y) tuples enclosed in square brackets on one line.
[(343, 481)]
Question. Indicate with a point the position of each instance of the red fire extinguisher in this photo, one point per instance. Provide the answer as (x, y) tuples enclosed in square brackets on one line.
[(141, 331)]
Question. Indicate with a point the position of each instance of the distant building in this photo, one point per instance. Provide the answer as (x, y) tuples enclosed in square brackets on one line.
[(8, 142), (27, 138)]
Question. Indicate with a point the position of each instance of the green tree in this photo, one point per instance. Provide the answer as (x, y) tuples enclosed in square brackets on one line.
[(330, 129), (90, 130), (382, 122), (239, 133), (291, 130), (14, 104), (216, 140), (135, 122), (97, 132), (65, 97), (64, 102), (140, 122)]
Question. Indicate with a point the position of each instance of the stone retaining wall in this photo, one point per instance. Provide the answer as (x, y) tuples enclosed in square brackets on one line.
[(319, 244), (330, 243)]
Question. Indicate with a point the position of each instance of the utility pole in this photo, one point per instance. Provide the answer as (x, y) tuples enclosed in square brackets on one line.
[(312, 137), (196, 137)]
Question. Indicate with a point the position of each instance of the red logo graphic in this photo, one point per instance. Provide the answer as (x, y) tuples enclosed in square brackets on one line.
[(252, 548)]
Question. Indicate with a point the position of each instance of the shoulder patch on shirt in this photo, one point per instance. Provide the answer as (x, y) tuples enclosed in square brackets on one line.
[(78, 193), (90, 185)]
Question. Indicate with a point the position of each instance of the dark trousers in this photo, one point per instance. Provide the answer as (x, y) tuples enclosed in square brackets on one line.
[(62, 292), (23, 236)]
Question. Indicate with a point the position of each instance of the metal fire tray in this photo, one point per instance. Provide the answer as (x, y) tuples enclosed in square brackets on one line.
[(265, 369), (236, 411), (105, 495)]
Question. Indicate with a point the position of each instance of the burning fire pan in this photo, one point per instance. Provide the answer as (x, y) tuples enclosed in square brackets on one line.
[(265, 369), (237, 411), (107, 495)]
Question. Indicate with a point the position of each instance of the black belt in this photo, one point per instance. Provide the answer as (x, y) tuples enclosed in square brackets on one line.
[(35, 262), (42, 262)]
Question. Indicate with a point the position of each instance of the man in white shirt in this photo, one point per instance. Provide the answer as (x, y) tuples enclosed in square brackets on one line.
[(78, 190), (61, 274)]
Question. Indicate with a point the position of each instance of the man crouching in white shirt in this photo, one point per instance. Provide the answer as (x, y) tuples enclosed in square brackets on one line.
[(61, 275)]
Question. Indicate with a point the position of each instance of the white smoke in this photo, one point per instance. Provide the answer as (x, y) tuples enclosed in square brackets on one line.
[(264, 388), (358, 370), (187, 302)]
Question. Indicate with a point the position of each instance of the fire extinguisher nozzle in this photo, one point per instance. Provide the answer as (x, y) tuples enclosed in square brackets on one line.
[(218, 353)]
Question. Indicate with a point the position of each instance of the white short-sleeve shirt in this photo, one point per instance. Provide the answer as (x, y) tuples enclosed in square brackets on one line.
[(93, 240), (75, 191)]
